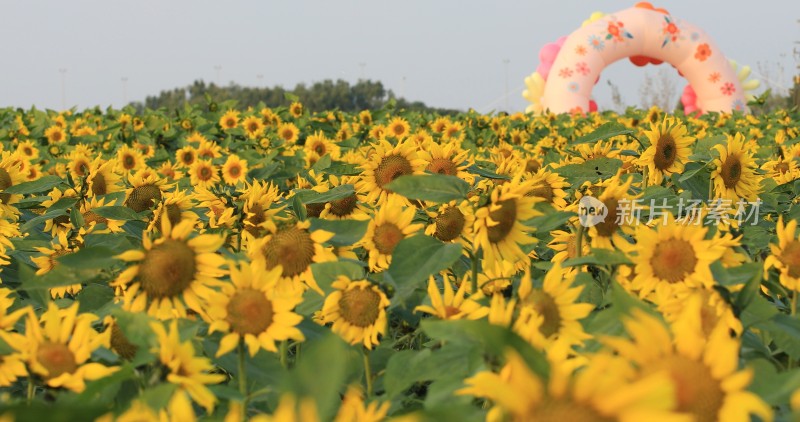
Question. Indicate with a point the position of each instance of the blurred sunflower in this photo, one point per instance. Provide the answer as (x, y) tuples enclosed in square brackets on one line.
[(208, 150), (781, 170), (55, 134), (704, 370), (293, 247), (669, 149), (785, 256), (253, 127), (734, 175), (353, 408), (390, 225), (453, 222), (47, 262), (347, 208), (28, 150), (176, 206), (499, 230), (296, 109), (565, 245), (10, 175), (229, 120), (621, 217), (549, 318), (357, 310), (319, 144), (186, 156), (448, 158), (249, 308), (550, 187), (145, 191), (260, 200), (129, 159), (189, 372), (602, 390), (288, 132), (398, 128), (172, 273), (204, 173), (59, 344), (451, 305), (673, 258), (234, 171), (387, 163), (103, 179)]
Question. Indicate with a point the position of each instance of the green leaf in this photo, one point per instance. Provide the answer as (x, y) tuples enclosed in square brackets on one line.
[(94, 296), (605, 131), (157, 397), (549, 221), (600, 168), (44, 184), (737, 275), (599, 257), (344, 169), (117, 213), (76, 218), (417, 257), (326, 273), (345, 232), (751, 287), (493, 339), (308, 196), (480, 171), (773, 387), (429, 187), (89, 257)]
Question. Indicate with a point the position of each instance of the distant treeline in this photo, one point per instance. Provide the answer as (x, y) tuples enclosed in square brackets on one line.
[(320, 96)]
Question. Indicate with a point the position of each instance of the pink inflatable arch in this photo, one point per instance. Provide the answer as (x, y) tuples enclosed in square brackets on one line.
[(644, 35)]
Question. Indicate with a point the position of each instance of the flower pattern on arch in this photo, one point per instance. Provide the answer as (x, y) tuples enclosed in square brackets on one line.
[(714, 77), (573, 87), (597, 43), (565, 72), (617, 32), (703, 52), (727, 88), (582, 68), (670, 31), (580, 50)]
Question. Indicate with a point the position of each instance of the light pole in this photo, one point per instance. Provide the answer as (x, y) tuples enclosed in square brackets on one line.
[(218, 68), (505, 62), (63, 72), (124, 80)]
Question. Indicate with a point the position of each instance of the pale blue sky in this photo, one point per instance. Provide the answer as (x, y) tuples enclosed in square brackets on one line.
[(445, 53)]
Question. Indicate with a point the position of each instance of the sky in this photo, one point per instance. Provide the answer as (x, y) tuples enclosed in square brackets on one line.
[(454, 54)]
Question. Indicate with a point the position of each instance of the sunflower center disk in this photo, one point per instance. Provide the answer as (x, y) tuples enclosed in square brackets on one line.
[(56, 358), (554, 410), (532, 166), (92, 217), (249, 312), (673, 260), (5, 183), (143, 198), (791, 258), (609, 225), (291, 248), (697, 391), (344, 207), (442, 166), (665, 152), (168, 269), (386, 237), (391, 168), (546, 306), (731, 171), (505, 218), (543, 191), (449, 224), (99, 185), (360, 306), (121, 344)]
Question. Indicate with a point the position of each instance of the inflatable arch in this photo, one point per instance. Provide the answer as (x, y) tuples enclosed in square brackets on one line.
[(571, 66)]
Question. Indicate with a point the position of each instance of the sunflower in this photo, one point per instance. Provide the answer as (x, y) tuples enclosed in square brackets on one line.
[(129, 159), (398, 128), (102, 178), (601, 390), (176, 206), (249, 308), (288, 132), (377, 132), (620, 219), (390, 225), (550, 187), (319, 144), (703, 308), (189, 372), (170, 171), (253, 127), (47, 262), (785, 256), (229, 120), (55, 135), (177, 409), (290, 409), (447, 158), (385, 164), (669, 149), (208, 150), (357, 310), (499, 227), (353, 408), (781, 170), (28, 150), (172, 273), (347, 208), (453, 222), (146, 191), (260, 208), (296, 109), (59, 345), (91, 219), (549, 317), (452, 305), (734, 175), (12, 363), (453, 132), (186, 156), (204, 173), (704, 369), (61, 223), (672, 258), (219, 214), (293, 247), (234, 171), (565, 245), (10, 175)]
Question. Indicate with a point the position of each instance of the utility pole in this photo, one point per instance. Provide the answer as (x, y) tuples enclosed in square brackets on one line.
[(63, 72), (124, 80), (505, 62), (218, 69)]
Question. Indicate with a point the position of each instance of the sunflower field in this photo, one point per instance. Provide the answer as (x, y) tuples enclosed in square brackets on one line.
[(215, 263)]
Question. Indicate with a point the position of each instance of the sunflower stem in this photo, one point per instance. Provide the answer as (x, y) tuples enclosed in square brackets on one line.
[(243, 378), (367, 373), (31, 389), (284, 353), (579, 241), (792, 312), (474, 287), (644, 178)]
